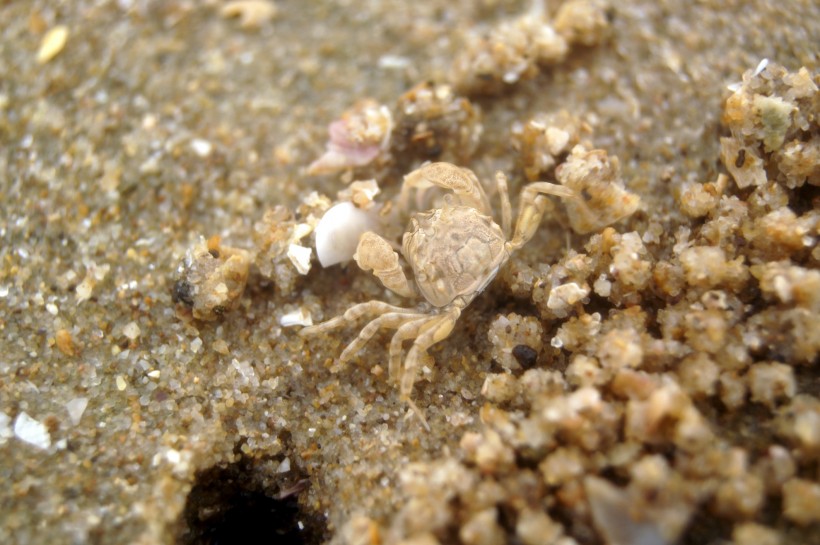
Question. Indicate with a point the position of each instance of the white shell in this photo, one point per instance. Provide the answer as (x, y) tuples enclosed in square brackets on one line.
[(338, 232)]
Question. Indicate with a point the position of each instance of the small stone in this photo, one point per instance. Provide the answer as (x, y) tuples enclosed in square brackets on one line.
[(732, 390), (650, 472), (561, 466), (698, 375), (525, 355), (801, 501), (131, 331), (566, 295), (94, 275), (482, 529), (775, 115), (173, 456), (584, 371), (557, 140), (620, 348), (602, 286), (251, 13), (807, 426), (201, 147), (499, 387), (770, 383), (740, 497), (221, 347), (361, 530), (284, 466), (76, 408), (750, 533), (704, 266), (64, 342), (53, 42), (698, 200), (776, 467), (489, 451), (536, 528)]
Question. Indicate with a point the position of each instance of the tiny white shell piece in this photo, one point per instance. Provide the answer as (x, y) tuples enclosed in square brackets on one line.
[(296, 317), (338, 232), (300, 257), (300, 231), (32, 431), (760, 67)]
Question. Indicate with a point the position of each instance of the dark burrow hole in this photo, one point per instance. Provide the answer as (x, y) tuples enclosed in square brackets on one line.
[(247, 502)]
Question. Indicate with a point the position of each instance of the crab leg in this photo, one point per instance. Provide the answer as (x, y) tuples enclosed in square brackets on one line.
[(391, 320), (531, 209), (506, 209), (409, 330), (436, 330), (354, 313), (461, 181)]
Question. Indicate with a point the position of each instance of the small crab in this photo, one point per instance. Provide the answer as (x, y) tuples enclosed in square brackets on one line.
[(454, 252)]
